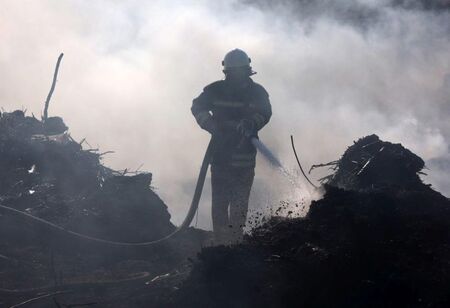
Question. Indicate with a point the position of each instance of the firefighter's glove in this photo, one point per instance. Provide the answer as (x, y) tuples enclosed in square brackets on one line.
[(246, 128)]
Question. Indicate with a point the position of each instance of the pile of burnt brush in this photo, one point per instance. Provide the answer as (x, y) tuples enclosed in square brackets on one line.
[(47, 174), (378, 238)]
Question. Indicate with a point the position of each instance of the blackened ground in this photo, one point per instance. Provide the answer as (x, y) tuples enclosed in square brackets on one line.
[(378, 238), (353, 249)]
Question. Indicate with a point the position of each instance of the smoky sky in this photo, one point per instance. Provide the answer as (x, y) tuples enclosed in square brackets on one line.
[(335, 71)]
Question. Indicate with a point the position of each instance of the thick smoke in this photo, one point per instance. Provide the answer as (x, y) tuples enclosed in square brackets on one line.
[(335, 70)]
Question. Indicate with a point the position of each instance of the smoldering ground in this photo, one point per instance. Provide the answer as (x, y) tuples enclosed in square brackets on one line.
[(335, 70)]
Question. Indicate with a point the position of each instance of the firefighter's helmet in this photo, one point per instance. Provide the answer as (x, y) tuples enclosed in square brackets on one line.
[(236, 58)]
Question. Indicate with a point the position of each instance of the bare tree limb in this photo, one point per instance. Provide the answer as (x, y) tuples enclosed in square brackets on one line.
[(331, 163), (49, 96), (107, 152)]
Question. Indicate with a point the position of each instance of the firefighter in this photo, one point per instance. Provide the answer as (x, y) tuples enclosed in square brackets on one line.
[(232, 110)]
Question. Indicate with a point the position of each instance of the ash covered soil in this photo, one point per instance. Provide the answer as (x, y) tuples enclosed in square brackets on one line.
[(378, 238)]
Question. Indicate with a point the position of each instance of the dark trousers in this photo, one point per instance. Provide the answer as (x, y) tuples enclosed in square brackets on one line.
[(230, 194)]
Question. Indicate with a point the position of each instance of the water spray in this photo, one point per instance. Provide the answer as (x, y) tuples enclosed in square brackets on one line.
[(275, 162)]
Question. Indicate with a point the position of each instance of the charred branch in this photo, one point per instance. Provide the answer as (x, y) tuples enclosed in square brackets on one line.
[(52, 88)]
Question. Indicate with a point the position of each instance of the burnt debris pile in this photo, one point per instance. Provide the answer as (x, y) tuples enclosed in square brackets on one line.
[(371, 163), (378, 238), (49, 175)]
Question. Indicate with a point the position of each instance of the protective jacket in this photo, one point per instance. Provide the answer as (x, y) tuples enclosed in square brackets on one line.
[(226, 104)]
